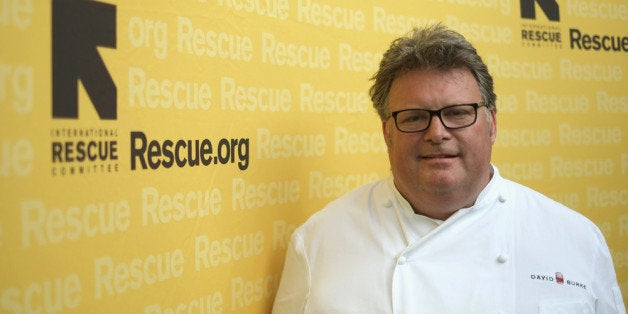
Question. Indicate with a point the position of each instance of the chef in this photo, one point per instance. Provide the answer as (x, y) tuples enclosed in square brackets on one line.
[(445, 233)]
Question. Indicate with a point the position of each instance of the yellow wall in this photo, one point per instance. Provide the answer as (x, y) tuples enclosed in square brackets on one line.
[(285, 83)]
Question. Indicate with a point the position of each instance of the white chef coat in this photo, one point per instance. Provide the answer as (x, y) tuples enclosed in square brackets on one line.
[(513, 251)]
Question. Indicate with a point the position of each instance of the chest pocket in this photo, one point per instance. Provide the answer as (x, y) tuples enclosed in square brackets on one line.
[(565, 307)]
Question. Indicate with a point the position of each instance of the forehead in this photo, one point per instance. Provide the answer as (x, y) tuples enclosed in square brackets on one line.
[(433, 89)]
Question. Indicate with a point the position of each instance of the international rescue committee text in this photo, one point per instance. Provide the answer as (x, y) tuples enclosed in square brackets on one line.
[(51, 223)]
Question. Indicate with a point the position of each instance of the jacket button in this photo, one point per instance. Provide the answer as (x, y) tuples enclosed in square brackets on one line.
[(502, 258), (501, 199), (402, 260), (388, 204)]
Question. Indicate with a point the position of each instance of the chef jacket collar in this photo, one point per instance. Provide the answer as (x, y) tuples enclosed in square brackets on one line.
[(491, 191), (415, 226)]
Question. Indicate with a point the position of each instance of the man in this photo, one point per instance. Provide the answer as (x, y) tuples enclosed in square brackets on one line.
[(446, 233)]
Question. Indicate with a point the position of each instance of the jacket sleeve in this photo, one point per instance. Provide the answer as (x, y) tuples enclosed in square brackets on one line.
[(605, 287), (294, 286)]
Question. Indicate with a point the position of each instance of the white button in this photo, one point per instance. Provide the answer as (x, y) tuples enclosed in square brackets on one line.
[(502, 258), (402, 260), (501, 199), (388, 204)]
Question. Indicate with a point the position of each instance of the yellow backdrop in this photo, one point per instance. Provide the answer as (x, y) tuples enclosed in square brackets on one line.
[(156, 155)]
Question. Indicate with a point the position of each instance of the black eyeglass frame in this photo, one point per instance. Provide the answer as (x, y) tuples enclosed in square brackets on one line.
[(438, 114)]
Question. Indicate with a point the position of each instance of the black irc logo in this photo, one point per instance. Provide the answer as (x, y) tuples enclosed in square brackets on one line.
[(78, 27), (549, 7)]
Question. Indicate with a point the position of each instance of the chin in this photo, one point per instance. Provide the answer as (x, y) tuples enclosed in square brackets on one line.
[(442, 183)]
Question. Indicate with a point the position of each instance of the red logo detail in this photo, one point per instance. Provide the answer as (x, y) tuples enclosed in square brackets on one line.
[(559, 278)]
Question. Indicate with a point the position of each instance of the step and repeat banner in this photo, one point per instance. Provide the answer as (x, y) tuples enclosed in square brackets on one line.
[(156, 155)]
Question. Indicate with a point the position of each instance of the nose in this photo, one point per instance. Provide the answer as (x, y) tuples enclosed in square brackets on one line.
[(436, 132)]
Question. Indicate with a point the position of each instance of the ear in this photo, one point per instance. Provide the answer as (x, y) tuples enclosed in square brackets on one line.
[(493, 126), (386, 133)]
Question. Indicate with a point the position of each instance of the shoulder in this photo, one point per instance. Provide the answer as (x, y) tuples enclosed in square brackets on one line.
[(348, 212), (354, 202), (538, 211), (534, 202)]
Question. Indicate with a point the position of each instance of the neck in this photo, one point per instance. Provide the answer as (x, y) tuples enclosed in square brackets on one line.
[(442, 204)]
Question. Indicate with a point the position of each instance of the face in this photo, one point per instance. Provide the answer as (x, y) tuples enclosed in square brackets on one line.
[(439, 161)]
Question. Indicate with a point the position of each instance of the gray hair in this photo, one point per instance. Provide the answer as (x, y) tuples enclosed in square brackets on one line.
[(431, 47)]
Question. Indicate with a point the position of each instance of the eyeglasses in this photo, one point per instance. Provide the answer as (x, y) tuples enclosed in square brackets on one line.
[(452, 117)]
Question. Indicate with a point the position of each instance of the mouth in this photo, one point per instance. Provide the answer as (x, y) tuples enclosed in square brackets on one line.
[(438, 156)]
